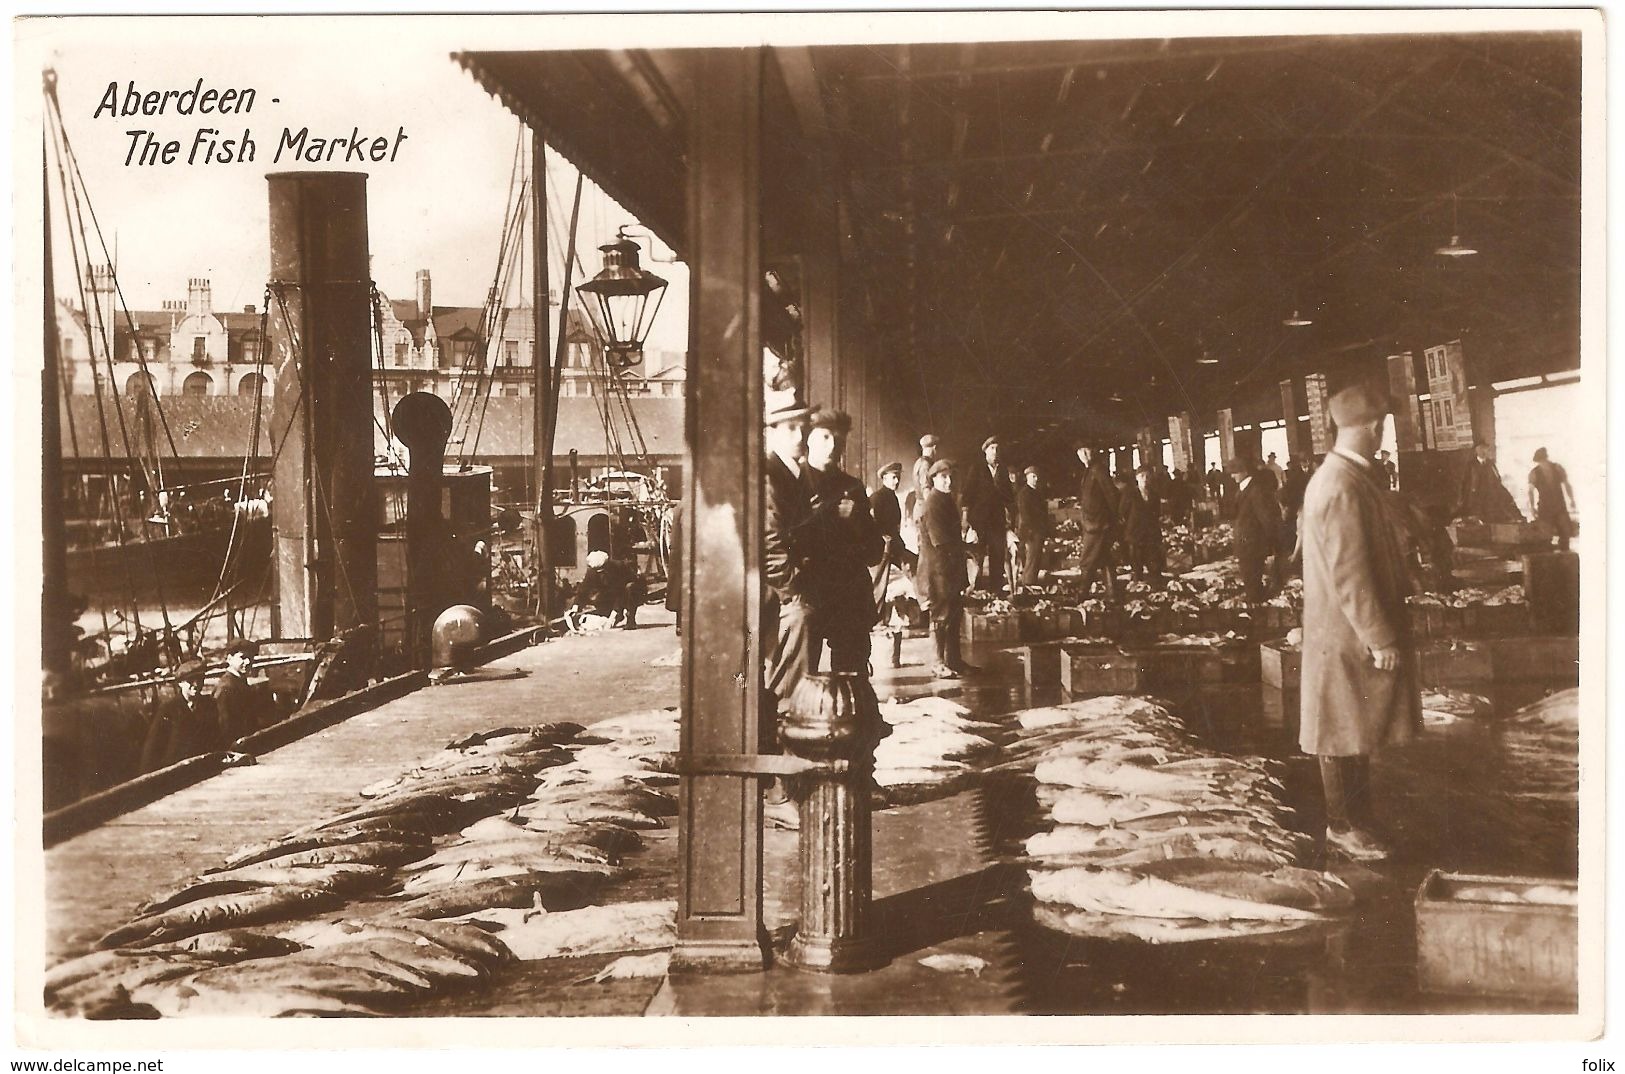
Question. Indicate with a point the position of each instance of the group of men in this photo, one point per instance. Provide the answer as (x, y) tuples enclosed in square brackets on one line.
[(192, 722)]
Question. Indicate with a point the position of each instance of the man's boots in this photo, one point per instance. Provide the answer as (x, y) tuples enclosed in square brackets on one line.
[(1338, 776), (897, 649)]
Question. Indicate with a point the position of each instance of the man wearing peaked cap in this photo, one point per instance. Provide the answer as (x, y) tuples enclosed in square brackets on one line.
[(887, 510), (1360, 687), (941, 579), (1255, 525), (843, 542), (922, 473), (988, 504), (1032, 526)]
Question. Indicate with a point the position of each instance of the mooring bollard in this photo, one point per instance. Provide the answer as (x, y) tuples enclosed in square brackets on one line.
[(834, 720)]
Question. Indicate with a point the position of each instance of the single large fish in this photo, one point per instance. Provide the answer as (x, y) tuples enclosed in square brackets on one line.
[(345, 878), (549, 734), (274, 987), (376, 853), (429, 814), (1064, 847), (1153, 930), (1284, 885), (555, 890), (469, 943), (1112, 891), (124, 980), (459, 767), (1112, 778), (261, 906), (1092, 807), (591, 930), (377, 829), (608, 837)]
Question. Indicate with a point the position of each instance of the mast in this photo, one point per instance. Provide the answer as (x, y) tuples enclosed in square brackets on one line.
[(55, 629), (542, 390)]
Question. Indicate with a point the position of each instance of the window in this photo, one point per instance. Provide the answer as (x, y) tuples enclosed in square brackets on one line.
[(251, 385), (510, 352), (67, 346), (401, 352), (198, 345), (510, 389), (197, 384), (251, 351), (138, 385)]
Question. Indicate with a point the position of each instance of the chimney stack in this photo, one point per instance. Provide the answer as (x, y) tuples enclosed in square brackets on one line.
[(425, 310), (197, 297)]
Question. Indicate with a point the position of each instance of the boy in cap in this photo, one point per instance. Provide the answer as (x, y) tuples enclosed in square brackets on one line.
[(1359, 673), (987, 503), (235, 703), (844, 543), (922, 473)]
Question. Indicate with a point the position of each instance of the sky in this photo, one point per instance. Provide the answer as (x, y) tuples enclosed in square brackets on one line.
[(439, 205)]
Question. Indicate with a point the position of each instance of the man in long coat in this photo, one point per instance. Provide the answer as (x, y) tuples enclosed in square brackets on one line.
[(785, 536), (1142, 532), (987, 500), (1482, 495), (1033, 526), (1359, 667), (942, 569), (1255, 527), (1097, 508)]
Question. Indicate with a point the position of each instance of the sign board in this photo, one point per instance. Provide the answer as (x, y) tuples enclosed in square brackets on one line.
[(1320, 415), (1177, 445), (1447, 396), (1407, 409), (1227, 436), (1289, 415)]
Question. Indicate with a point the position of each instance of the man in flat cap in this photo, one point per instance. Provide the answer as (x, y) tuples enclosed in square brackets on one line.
[(1359, 667), (844, 543), (986, 501), (1255, 524), (785, 537), (1141, 529), (1033, 526), (1097, 511), (941, 578), (922, 474), (887, 511)]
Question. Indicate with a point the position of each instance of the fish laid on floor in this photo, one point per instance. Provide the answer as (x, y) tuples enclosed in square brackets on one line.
[(954, 963), (1095, 708), (1059, 848), (1284, 885), (561, 890), (276, 987), (443, 874), (1090, 807), (261, 906), (627, 926), (1154, 930), (608, 837), (550, 734), (1112, 891), (375, 853), (460, 767), (632, 967), (469, 942), (126, 979), (378, 829), (344, 878)]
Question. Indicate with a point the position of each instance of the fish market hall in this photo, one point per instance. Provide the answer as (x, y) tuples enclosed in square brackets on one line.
[(1118, 552)]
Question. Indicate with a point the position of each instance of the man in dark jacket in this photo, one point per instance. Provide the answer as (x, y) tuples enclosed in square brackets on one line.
[(1142, 532), (1097, 509), (237, 707), (942, 569), (785, 537), (1033, 526), (1483, 496), (886, 506), (844, 543), (1256, 525), (986, 498), (182, 725), (1293, 482), (610, 587)]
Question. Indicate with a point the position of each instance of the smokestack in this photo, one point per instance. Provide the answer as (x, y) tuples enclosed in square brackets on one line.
[(424, 295)]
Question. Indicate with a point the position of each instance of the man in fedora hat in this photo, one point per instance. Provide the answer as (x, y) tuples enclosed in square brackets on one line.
[(922, 474), (1097, 511), (844, 543), (1359, 667), (785, 537), (987, 504)]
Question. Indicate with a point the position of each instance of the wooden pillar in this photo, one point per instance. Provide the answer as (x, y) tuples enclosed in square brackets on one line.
[(56, 631), (541, 402), (1227, 436), (719, 893), (325, 522), (1297, 432)]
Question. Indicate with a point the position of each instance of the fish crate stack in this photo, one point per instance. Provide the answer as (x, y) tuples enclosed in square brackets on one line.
[(1093, 668), (1498, 935), (1280, 664)]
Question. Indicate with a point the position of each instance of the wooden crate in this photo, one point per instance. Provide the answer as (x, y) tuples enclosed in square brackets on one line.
[(1517, 533), (1455, 663), (1469, 940), (1041, 665), (1098, 669), (1069, 621), (1182, 665), (1551, 584), (1239, 662), (982, 628), (1039, 626), (1552, 656), (1280, 666), (1473, 533)]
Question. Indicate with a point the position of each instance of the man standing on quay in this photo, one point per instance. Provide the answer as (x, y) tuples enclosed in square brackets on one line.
[(1359, 668)]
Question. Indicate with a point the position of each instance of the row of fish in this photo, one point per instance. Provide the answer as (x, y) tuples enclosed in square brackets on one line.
[(499, 846), (932, 749), (1156, 839), (1542, 745)]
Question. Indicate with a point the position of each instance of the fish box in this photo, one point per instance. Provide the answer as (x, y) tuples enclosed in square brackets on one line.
[(1551, 585), (1497, 935), (1239, 662), (1177, 665), (1517, 533), (1538, 657), (1455, 663), (1041, 664), (980, 627), (1421, 622), (1069, 621), (1039, 626), (1473, 533), (1279, 665), (1499, 620), (1098, 669)]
